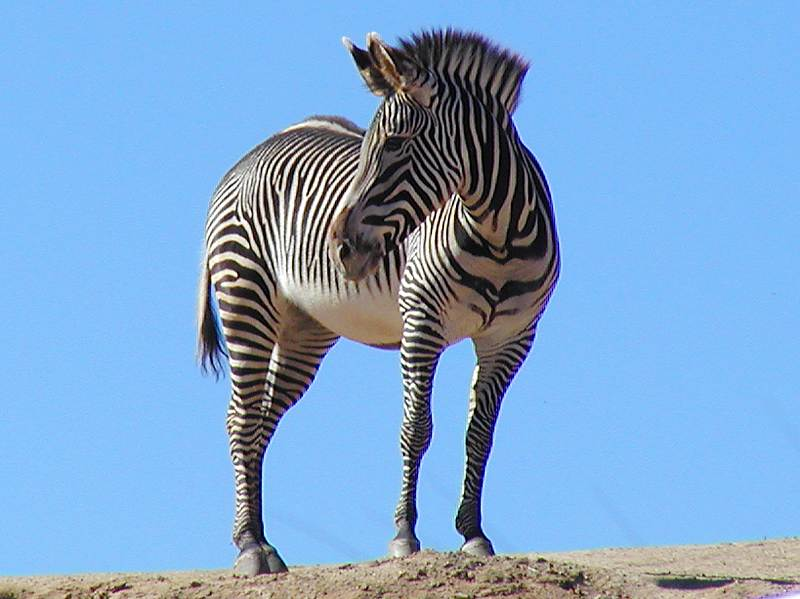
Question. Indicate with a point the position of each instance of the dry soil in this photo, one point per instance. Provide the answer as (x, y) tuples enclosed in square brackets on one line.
[(758, 569)]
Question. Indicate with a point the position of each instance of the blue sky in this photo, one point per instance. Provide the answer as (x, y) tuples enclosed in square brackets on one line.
[(660, 404)]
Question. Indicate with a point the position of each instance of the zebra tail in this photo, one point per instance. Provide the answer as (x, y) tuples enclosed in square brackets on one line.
[(209, 340)]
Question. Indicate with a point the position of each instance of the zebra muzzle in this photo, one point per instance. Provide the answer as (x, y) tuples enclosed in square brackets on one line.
[(353, 261), (353, 256)]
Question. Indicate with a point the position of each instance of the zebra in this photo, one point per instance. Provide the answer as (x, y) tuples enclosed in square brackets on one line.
[(433, 226)]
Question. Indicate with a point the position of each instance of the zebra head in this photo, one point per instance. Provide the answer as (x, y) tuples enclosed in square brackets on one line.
[(406, 169), (447, 96)]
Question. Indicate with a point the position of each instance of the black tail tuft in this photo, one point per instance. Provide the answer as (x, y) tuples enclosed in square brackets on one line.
[(210, 350)]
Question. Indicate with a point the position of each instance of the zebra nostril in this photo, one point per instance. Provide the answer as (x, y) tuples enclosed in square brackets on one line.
[(344, 251)]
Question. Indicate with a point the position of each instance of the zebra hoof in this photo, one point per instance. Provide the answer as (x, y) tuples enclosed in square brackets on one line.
[(403, 547), (479, 547), (259, 559)]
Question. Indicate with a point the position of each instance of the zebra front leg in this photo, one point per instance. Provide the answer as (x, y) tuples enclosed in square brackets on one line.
[(419, 354), (498, 362)]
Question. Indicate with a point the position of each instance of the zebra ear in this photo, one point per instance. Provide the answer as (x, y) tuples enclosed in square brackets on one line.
[(398, 69), (370, 73)]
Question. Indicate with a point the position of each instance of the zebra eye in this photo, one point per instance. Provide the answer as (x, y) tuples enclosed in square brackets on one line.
[(393, 143)]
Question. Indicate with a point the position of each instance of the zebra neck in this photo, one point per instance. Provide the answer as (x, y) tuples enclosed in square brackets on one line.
[(504, 213)]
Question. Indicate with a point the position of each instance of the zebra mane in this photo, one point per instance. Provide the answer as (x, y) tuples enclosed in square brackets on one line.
[(472, 59)]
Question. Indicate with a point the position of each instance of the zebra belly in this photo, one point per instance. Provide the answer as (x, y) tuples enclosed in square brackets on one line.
[(363, 314)]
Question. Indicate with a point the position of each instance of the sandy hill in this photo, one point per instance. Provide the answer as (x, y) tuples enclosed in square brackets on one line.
[(759, 569)]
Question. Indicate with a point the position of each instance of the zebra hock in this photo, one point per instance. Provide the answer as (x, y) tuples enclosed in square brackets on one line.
[(443, 153)]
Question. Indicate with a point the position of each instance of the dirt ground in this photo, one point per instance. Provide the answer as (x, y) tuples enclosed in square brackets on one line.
[(759, 569)]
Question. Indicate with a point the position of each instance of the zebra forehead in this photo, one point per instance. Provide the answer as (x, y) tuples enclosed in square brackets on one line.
[(469, 57), (388, 114)]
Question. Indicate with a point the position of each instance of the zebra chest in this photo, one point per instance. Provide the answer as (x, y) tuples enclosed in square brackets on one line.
[(493, 298), (488, 309)]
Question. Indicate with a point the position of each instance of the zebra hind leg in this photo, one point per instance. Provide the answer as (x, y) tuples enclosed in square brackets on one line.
[(248, 437), (275, 385), (249, 317), (496, 367), (419, 355)]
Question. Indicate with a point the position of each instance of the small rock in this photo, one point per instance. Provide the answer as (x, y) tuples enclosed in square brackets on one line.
[(124, 586)]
